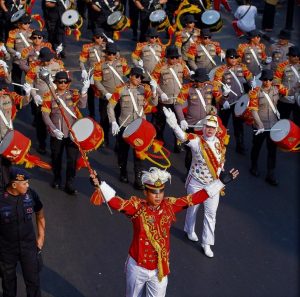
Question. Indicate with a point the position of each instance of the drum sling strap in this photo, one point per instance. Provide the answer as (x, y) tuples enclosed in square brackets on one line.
[(237, 80), (115, 73), (208, 54), (7, 124), (255, 57), (134, 104), (97, 56), (154, 54), (68, 110), (296, 73), (24, 39), (190, 38), (176, 77), (276, 112), (201, 99)]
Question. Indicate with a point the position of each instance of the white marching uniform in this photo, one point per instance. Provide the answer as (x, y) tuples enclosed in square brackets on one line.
[(200, 176)]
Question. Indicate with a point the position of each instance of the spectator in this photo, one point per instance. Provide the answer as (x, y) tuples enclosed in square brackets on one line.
[(269, 15)]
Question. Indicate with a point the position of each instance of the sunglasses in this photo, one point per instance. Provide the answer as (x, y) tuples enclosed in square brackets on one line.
[(27, 23), (154, 37), (137, 76), (206, 37), (293, 56), (232, 57), (172, 58), (109, 53), (37, 37), (62, 82), (267, 79), (97, 36)]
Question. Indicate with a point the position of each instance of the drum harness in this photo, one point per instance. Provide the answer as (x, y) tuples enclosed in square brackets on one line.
[(201, 98), (276, 112), (237, 80), (69, 111), (207, 54), (24, 39), (9, 124), (176, 77), (190, 37), (129, 91), (255, 58), (154, 54)]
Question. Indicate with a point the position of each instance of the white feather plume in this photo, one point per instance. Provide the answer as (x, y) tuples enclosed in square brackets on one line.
[(154, 174)]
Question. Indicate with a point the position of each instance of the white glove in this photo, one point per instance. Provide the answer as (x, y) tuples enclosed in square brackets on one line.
[(226, 90), (164, 97), (107, 191), (222, 55), (108, 95), (18, 55), (27, 88), (86, 85), (226, 105), (291, 99), (260, 130), (84, 74), (253, 83), (59, 49), (268, 60), (298, 99), (153, 85), (58, 134), (192, 72), (184, 125), (4, 65), (170, 117), (141, 63), (3, 49), (115, 128), (38, 100)]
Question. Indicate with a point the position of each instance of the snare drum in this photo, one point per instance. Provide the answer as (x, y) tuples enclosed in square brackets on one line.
[(89, 134), (211, 19), (159, 20), (70, 17), (286, 135), (117, 21), (241, 109)]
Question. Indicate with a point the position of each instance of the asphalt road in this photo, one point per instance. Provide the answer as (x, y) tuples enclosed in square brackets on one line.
[(257, 231)]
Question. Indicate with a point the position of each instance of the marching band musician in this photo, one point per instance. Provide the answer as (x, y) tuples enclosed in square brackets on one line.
[(199, 98), (208, 160), (202, 53), (92, 53), (169, 75), (31, 53), (71, 101), (52, 11), (148, 54), (288, 73), (109, 74), (278, 50), (147, 265), (187, 36), (263, 106), (5, 75), (133, 97), (231, 77), (146, 7), (253, 53), (18, 39), (9, 102), (45, 60)]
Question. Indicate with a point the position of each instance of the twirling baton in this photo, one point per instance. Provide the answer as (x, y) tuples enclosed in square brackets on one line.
[(44, 74)]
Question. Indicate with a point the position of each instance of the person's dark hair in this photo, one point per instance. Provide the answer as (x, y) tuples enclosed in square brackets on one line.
[(247, 2)]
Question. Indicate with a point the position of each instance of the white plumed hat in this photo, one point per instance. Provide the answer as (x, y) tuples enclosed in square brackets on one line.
[(155, 178)]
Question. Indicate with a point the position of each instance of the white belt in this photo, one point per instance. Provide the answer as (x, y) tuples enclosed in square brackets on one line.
[(176, 77), (274, 109), (154, 54), (97, 56), (201, 99), (134, 104), (296, 73), (255, 57), (7, 124), (116, 73), (190, 38), (24, 39), (69, 111), (237, 80), (208, 55)]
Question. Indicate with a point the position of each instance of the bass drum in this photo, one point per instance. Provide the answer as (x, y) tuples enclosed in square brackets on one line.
[(241, 110), (159, 20), (211, 19), (117, 21)]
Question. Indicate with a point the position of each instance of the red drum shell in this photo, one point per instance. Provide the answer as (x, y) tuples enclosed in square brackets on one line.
[(14, 146), (89, 133), (139, 134), (289, 136)]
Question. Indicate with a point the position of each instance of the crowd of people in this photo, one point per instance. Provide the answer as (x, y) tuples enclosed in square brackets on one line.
[(190, 83)]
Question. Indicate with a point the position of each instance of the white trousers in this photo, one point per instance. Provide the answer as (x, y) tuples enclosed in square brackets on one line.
[(210, 212), (138, 278)]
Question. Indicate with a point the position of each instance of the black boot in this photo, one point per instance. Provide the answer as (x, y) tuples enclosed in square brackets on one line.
[(123, 175), (270, 179), (253, 169), (69, 188), (240, 148), (138, 181)]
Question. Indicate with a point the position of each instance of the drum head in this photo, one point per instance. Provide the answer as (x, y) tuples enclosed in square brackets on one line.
[(17, 15), (211, 73), (114, 18), (132, 127), (83, 128), (70, 17), (284, 126), (241, 106), (210, 17), (157, 16), (6, 141)]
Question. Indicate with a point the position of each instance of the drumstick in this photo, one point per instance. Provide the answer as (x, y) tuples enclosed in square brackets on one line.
[(268, 130), (124, 122), (195, 126), (231, 104), (108, 39), (234, 93), (22, 86)]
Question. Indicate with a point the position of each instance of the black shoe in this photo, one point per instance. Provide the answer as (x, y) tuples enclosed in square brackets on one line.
[(55, 184), (124, 177), (62, 55), (41, 151), (270, 179), (69, 189), (254, 171)]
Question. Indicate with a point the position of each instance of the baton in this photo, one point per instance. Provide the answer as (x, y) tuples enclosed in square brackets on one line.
[(19, 85)]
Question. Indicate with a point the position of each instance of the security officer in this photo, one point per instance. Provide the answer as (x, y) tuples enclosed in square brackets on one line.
[(169, 75), (18, 241), (187, 36), (231, 77), (263, 106), (133, 96), (148, 54), (278, 50), (146, 7), (17, 40), (46, 60), (197, 97), (288, 73), (92, 53), (253, 53), (109, 74), (57, 127), (202, 53)]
